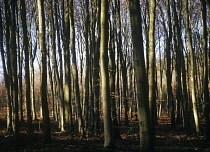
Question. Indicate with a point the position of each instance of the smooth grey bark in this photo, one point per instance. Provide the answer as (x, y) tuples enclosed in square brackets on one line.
[(105, 90), (151, 69), (43, 70)]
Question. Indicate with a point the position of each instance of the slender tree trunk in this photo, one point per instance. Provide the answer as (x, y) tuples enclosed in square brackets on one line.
[(67, 85), (5, 69), (112, 71), (96, 83), (87, 65), (27, 70), (205, 59), (192, 69), (182, 62), (20, 75), (43, 89), (75, 71), (13, 60), (32, 90), (151, 70), (105, 92)]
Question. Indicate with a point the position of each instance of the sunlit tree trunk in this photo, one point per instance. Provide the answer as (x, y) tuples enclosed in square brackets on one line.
[(192, 69), (67, 85), (105, 90), (32, 89), (151, 70), (43, 79)]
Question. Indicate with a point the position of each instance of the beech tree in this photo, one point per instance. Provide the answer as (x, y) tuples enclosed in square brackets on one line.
[(42, 45), (141, 77), (105, 90)]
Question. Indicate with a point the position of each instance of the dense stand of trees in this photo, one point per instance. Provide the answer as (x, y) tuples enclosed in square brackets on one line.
[(81, 62)]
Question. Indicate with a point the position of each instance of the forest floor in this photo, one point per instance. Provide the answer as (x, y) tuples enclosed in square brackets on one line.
[(167, 140)]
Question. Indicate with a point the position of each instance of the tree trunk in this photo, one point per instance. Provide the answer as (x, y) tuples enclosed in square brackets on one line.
[(13, 60), (151, 70), (105, 92), (205, 59), (141, 77), (43, 79), (192, 69), (67, 85), (27, 70), (75, 71)]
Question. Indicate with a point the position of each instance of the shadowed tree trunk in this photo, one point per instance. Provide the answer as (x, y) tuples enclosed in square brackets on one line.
[(141, 77), (74, 70), (112, 71), (205, 59), (13, 61), (96, 78), (168, 70), (27, 70), (6, 66)]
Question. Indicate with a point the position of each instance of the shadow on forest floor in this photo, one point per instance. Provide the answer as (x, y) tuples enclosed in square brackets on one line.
[(167, 140)]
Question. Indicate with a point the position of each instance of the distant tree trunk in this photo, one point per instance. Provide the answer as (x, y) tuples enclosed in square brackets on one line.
[(141, 77), (151, 70), (182, 61), (205, 59), (192, 69), (51, 72), (20, 75), (43, 89), (75, 71), (112, 71), (168, 70), (105, 92), (32, 90), (87, 65), (124, 81), (27, 70)]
